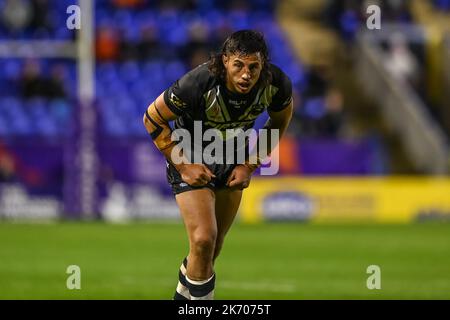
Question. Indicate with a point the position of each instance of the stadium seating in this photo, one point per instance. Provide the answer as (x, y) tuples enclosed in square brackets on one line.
[(126, 86)]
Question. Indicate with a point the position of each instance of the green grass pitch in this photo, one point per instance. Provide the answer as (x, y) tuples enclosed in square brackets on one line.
[(265, 261)]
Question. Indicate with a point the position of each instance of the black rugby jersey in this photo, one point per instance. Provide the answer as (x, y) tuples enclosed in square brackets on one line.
[(201, 96)]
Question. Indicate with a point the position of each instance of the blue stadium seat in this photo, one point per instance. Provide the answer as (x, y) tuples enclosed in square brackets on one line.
[(314, 108), (153, 68), (129, 71), (60, 111), (4, 127), (174, 70), (239, 20), (114, 126), (11, 107), (22, 126), (107, 73), (115, 88), (214, 19), (36, 107), (11, 68), (46, 127), (349, 24), (142, 90), (14, 117)]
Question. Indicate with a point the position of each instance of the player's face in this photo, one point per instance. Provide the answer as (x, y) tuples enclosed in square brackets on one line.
[(242, 71)]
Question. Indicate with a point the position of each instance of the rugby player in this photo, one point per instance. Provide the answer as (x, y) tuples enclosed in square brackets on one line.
[(228, 92)]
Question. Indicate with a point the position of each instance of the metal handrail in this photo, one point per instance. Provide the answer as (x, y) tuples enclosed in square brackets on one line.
[(424, 141)]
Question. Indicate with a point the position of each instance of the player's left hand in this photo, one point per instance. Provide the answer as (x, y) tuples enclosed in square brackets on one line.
[(240, 177)]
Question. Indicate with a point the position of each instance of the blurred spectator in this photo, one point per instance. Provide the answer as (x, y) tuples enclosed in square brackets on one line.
[(198, 46), (128, 49), (107, 44), (148, 45), (7, 167), (323, 116), (401, 62), (128, 3), (333, 119), (396, 10), (177, 4), (350, 19), (198, 57), (41, 19), (34, 84), (343, 16), (319, 78), (194, 52), (16, 15), (222, 31), (238, 6), (32, 81), (322, 111), (55, 83)]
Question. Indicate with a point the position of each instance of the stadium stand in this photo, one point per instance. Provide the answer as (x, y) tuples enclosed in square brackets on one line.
[(139, 53), (330, 32), (143, 46)]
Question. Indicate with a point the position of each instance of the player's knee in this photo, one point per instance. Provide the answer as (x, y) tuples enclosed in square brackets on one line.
[(203, 243)]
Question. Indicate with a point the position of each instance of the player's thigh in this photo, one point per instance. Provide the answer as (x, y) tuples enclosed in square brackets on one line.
[(227, 205), (198, 211)]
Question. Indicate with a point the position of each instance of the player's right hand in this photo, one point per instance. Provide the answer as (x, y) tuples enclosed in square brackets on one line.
[(195, 175)]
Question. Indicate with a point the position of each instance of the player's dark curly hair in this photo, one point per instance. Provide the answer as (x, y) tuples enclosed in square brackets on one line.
[(243, 42)]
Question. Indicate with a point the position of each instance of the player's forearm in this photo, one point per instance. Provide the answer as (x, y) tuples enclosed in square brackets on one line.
[(278, 121), (275, 128), (280, 126), (264, 146)]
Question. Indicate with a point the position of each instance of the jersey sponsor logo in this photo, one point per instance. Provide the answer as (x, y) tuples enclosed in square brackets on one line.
[(237, 104), (177, 102)]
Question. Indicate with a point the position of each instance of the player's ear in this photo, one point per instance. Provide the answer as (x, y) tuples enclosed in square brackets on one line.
[(225, 59)]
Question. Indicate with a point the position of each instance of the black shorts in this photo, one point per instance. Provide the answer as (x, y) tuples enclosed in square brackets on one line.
[(221, 171)]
